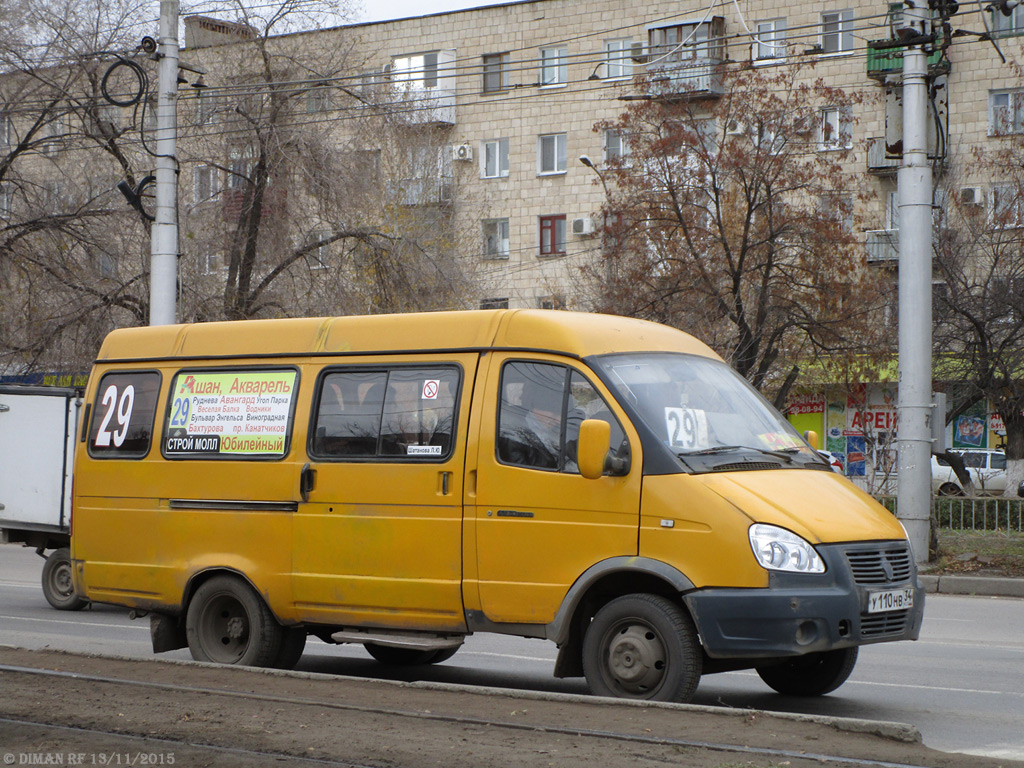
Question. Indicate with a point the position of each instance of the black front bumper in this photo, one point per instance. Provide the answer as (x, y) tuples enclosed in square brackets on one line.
[(808, 613)]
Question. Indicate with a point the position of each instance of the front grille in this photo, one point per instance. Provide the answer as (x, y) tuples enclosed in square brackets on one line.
[(880, 624), (891, 565)]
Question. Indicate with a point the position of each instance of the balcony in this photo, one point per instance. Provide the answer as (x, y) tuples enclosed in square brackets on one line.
[(436, 190), (686, 79), (885, 58), (882, 245), (880, 161), (422, 106)]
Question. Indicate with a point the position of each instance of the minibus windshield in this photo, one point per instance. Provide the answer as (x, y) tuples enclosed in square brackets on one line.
[(702, 408)]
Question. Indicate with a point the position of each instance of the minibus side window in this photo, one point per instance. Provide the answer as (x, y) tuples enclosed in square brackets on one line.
[(401, 412), (539, 417), (123, 415)]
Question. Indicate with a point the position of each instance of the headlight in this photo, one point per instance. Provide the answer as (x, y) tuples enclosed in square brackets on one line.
[(780, 550)]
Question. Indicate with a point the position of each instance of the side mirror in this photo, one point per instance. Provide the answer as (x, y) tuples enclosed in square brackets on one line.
[(811, 437), (592, 447)]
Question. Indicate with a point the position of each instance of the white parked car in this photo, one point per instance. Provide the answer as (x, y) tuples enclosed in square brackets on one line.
[(987, 470)]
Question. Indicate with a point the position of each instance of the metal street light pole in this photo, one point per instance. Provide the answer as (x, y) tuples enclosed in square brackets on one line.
[(914, 183), (163, 278)]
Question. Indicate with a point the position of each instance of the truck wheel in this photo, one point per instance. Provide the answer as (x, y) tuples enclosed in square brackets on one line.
[(58, 587), (950, 489), (812, 675), (228, 623), (405, 657), (642, 647)]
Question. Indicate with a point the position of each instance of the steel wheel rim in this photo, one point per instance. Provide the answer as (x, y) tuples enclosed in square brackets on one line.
[(634, 659), (224, 629), (60, 580)]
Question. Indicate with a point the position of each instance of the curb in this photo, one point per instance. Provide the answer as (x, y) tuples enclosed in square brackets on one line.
[(984, 586)]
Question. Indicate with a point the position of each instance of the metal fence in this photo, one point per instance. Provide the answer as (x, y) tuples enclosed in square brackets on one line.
[(972, 513)]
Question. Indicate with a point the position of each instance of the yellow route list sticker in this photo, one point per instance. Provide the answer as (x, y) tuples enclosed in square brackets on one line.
[(239, 413)]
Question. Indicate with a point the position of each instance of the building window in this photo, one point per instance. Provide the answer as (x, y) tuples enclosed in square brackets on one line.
[(1005, 26), (495, 233), (837, 31), (6, 201), (1007, 206), (209, 261), (318, 100), (616, 146), (1006, 112), (551, 153), (552, 235), (205, 183), (494, 303), (685, 42), (554, 301), (553, 70), (771, 39), (418, 72), (318, 256), (618, 58), (206, 107), (238, 172), (494, 159), (495, 72), (834, 129)]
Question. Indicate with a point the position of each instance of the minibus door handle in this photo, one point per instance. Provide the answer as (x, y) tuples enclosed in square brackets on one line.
[(307, 481)]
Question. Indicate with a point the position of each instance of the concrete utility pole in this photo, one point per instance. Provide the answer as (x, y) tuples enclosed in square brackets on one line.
[(163, 277), (914, 187)]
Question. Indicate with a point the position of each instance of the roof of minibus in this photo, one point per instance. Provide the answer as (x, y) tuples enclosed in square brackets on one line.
[(575, 333)]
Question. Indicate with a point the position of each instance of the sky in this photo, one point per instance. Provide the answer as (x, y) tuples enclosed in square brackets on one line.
[(380, 10)]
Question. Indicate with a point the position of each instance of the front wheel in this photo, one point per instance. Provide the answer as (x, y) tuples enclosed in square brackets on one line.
[(950, 489), (642, 647), (228, 623), (58, 587), (812, 675)]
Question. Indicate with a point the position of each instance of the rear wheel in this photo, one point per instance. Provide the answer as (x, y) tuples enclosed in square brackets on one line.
[(228, 623), (58, 587), (950, 489), (292, 646), (642, 647), (812, 675)]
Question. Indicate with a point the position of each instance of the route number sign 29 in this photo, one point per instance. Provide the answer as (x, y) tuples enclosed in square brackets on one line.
[(122, 415)]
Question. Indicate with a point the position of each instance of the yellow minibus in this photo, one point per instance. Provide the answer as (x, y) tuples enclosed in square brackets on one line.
[(404, 481)]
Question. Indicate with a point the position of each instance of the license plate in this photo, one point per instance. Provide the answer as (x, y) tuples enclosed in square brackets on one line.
[(890, 600)]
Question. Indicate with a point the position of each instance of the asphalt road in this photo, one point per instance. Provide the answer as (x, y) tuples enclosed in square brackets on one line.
[(961, 685)]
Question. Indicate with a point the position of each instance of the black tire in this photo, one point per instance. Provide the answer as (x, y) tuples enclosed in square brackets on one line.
[(405, 657), (950, 489), (812, 675), (228, 623), (642, 647), (292, 646), (444, 654), (58, 586)]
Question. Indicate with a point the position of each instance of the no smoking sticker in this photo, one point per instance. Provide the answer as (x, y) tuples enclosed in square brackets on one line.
[(430, 388)]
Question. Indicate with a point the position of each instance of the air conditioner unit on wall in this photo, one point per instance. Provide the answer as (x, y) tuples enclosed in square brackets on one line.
[(462, 152), (583, 226), (972, 196)]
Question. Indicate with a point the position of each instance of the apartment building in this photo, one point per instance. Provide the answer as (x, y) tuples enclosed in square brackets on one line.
[(511, 94)]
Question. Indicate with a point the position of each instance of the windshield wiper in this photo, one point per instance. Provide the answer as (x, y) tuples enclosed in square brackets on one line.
[(783, 454)]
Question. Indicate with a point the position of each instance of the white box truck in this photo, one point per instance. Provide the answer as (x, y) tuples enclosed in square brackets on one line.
[(38, 426)]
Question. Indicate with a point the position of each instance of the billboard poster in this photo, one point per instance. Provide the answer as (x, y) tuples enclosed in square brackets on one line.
[(969, 429)]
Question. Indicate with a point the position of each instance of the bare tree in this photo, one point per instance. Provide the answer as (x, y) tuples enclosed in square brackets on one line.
[(732, 218), (331, 203), (979, 307), (63, 147)]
